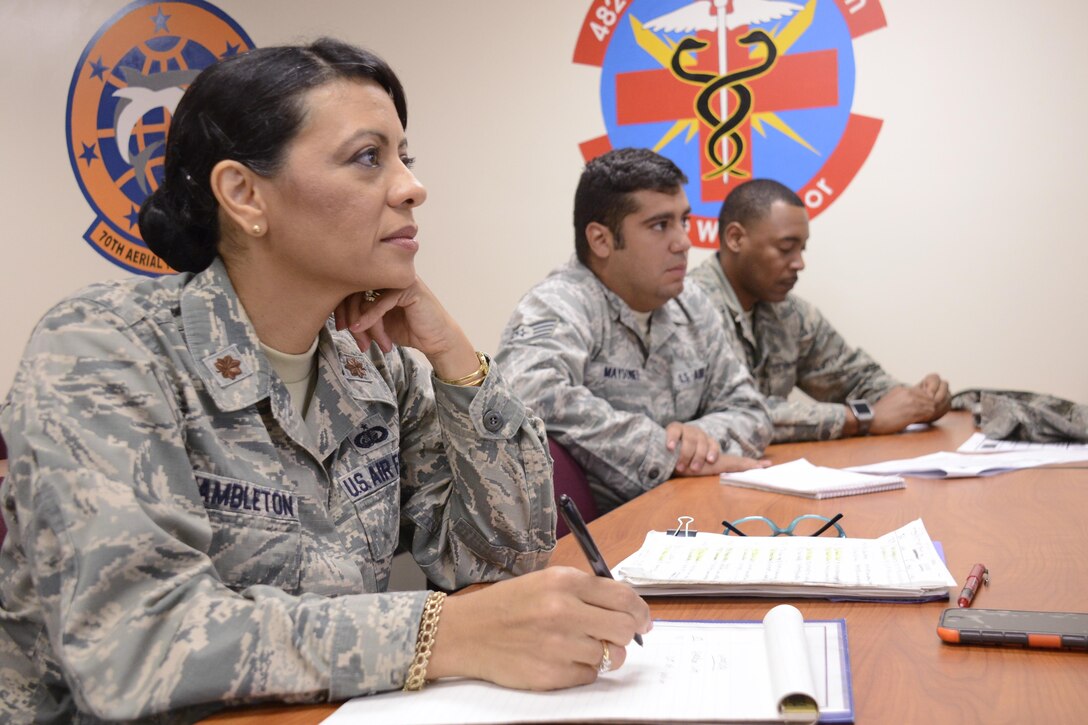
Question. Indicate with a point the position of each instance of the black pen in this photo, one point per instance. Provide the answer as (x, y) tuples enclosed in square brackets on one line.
[(577, 527), (829, 524)]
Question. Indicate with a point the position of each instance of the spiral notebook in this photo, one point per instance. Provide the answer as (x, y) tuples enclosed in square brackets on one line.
[(782, 669), (801, 478)]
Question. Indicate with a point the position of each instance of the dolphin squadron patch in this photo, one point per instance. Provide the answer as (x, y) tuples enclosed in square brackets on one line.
[(124, 90)]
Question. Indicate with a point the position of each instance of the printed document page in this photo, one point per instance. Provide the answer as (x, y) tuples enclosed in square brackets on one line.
[(902, 563)]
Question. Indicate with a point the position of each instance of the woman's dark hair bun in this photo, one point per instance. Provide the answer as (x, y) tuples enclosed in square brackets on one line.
[(172, 234)]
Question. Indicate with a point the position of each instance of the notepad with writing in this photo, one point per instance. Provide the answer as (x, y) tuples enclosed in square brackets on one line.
[(902, 565), (801, 478), (779, 670)]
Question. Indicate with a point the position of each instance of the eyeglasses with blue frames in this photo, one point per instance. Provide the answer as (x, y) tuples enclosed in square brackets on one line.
[(805, 525)]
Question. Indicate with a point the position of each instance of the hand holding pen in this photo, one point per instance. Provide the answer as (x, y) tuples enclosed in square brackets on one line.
[(548, 629), (577, 526)]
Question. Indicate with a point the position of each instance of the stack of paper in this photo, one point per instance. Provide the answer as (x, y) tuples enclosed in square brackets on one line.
[(1065, 451), (903, 564), (801, 478), (968, 465)]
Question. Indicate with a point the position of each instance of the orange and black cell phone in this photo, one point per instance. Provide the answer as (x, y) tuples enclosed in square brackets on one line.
[(1011, 628)]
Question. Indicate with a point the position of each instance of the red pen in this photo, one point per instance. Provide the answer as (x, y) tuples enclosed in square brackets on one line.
[(979, 575)]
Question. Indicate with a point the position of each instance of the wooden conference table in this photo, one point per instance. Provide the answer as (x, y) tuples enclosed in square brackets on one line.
[(1029, 527)]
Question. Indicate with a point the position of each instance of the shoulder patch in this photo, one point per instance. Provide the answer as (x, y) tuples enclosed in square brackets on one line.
[(533, 330)]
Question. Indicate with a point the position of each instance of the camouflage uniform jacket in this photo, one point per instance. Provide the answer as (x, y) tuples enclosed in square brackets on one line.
[(789, 344), (179, 539), (577, 356), (1019, 415)]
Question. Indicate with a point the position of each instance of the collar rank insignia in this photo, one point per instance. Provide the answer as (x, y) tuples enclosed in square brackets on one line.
[(227, 366), (355, 368)]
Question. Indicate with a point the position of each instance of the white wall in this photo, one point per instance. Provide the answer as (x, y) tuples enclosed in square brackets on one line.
[(957, 248)]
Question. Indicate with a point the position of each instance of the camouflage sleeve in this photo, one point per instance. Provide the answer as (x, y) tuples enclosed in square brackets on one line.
[(107, 560), (806, 420), (623, 450), (830, 372), (476, 480), (734, 412)]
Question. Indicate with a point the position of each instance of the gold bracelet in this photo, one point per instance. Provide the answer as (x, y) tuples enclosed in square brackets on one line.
[(428, 626), (476, 377)]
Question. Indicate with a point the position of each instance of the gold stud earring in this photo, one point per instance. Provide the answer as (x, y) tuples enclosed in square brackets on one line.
[(257, 229)]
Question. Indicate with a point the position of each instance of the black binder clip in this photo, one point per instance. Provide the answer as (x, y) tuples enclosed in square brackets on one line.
[(683, 527)]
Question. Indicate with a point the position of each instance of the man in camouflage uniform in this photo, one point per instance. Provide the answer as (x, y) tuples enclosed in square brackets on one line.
[(181, 537), (787, 343), (629, 369)]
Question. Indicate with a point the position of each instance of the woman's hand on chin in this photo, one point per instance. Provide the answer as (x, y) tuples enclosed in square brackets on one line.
[(410, 317)]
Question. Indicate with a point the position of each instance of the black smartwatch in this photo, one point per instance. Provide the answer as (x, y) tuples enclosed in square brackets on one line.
[(864, 414)]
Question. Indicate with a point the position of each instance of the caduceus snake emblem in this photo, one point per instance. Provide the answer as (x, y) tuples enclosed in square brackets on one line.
[(730, 82)]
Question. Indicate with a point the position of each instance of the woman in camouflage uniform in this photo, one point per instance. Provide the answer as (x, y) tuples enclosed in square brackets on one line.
[(212, 471)]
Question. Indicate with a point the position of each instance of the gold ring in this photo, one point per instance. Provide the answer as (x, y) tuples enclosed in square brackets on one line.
[(606, 658)]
